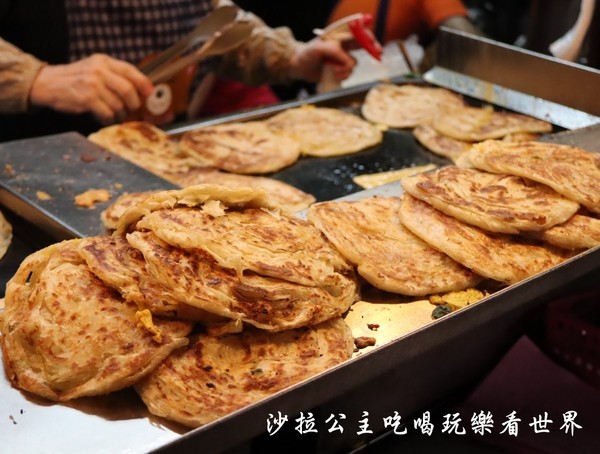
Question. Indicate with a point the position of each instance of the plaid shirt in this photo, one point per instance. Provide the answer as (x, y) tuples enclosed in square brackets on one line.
[(130, 30)]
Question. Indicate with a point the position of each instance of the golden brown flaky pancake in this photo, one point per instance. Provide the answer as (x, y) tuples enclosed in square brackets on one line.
[(267, 303), (229, 252), (406, 106), (144, 145), (284, 195), (217, 376), (324, 131), (248, 148), (192, 196), (495, 202), (5, 235), (252, 240), (110, 216), (66, 335), (504, 258), (571, 171), (439, 143), (474, 124), (122, 267), (369, 234), (579, 232)]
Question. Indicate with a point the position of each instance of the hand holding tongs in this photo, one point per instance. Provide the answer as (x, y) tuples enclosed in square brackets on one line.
[(219, 31), (353, 26)]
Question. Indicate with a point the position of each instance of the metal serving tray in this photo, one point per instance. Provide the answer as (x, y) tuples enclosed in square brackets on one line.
[(406, 375)]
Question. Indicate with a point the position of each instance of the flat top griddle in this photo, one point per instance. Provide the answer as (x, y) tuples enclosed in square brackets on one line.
[(404, 375), (332, 178)]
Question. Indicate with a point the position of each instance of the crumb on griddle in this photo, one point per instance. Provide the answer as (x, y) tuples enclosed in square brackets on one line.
[(373, 326), (88, 157), (89, 198), (364, 342), (42, 195)]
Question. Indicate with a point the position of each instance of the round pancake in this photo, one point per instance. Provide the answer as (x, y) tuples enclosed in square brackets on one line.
[(570, 171), (5, 235), (440, 144), (474, 124), (66, 335), (246, 148), (406, 106), (579, 232), (110, 216), (369, 234), (495, 202), (323, 131), (267, 303), (253, 240), (144, 145), (194, 196), (121, 267), (285, 196), (217, 376), (504, 258)]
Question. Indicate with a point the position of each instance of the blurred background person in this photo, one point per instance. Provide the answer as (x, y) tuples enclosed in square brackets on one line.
[(393, 20), (68, 65)]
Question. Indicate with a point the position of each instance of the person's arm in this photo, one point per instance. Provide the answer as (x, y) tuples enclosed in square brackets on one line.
[(18, 70), (272, 55), (106, 87)]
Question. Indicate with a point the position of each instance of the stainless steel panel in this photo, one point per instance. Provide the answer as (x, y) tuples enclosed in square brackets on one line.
[(537, 75)]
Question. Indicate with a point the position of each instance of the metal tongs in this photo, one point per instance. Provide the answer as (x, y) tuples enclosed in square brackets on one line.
[(218, 32)]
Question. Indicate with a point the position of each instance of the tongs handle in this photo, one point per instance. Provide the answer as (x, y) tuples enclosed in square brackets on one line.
[(221, 42), (207, 27)]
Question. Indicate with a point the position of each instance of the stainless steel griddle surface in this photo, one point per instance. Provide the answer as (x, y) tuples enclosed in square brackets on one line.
[(332, 178), (60, 167)]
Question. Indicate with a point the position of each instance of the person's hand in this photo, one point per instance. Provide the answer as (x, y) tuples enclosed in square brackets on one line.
[(106, 87), (307, 62)]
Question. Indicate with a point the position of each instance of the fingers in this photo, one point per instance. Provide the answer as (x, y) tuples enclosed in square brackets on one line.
[(106, 87), (309, 59), (129, 83)]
